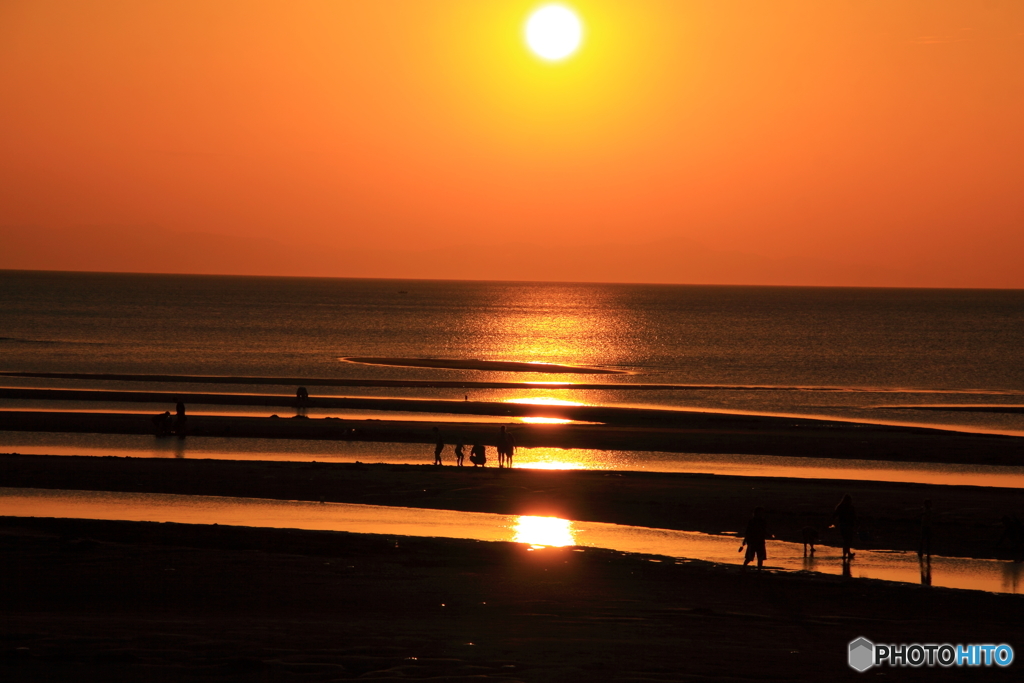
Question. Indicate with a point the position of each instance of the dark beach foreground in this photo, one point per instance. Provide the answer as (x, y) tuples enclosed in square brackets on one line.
[(120, 601)]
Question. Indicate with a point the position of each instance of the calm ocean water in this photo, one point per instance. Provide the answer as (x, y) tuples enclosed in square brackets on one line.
[(852, 353)]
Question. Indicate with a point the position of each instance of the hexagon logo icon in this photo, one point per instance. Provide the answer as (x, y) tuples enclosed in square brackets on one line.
[(862, 654)]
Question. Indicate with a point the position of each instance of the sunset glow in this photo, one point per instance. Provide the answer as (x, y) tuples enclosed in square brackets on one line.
[(864, 144)]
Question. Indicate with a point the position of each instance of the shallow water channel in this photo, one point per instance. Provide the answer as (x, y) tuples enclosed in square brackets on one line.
[(987, 575)]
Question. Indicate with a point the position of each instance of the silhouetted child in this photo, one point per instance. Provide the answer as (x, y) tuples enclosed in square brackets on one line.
[(810, 537), (460, 451), (301, 396), (754, 538), (438, 447), (845, 518)]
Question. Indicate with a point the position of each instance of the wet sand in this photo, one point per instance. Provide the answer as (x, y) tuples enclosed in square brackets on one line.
[(966, 518), (122, 601)]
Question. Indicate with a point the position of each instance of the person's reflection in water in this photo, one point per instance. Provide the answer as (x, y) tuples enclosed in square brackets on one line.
[(847, 573), (1011, 577), (179, 448), (926, 569), (809, 563)]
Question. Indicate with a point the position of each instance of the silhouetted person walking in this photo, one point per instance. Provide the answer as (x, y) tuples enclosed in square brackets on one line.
[(438, 447), (846, 519), (460, 451), (754, 538)]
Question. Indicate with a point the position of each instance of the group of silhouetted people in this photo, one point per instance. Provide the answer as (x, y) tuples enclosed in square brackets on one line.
[(167, 425), (844, 520), (478, 453)]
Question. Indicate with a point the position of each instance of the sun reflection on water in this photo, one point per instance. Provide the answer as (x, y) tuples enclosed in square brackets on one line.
[(543, 401), (544, 531)]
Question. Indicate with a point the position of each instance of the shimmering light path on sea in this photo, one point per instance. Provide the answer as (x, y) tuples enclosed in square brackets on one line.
[(987, 575)]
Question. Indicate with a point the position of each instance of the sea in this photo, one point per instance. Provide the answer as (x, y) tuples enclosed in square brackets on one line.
[(947, 358)]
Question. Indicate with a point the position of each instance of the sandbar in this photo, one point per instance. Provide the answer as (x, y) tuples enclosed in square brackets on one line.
[(492, 365)]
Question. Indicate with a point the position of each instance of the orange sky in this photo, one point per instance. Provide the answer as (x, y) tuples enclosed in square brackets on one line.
[(806, 142)]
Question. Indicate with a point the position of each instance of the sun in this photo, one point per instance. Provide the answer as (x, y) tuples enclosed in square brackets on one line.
[(553, 32)]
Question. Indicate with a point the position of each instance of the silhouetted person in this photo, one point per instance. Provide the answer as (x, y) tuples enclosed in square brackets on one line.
[(478, 455), (810, 537), (179, 419), (846, 519), (926, 569), (924, 547), (506, 448), (438, 447), (754, 538), (301, 396), (460, 451), (1013, 534), (164, 423)]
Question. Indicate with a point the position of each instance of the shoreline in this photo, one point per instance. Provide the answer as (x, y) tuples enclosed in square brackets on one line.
[(686, 433), (966, 519)]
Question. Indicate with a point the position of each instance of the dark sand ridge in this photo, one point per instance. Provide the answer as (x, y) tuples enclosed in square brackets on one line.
[(964, 409), (967, 518), (604, 414), (448, 384), (490, 365), (119, 601), (714, 434)]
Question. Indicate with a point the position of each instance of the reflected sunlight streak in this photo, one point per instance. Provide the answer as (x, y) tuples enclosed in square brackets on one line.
[(544, 531), (544, 401), (544, 420)]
